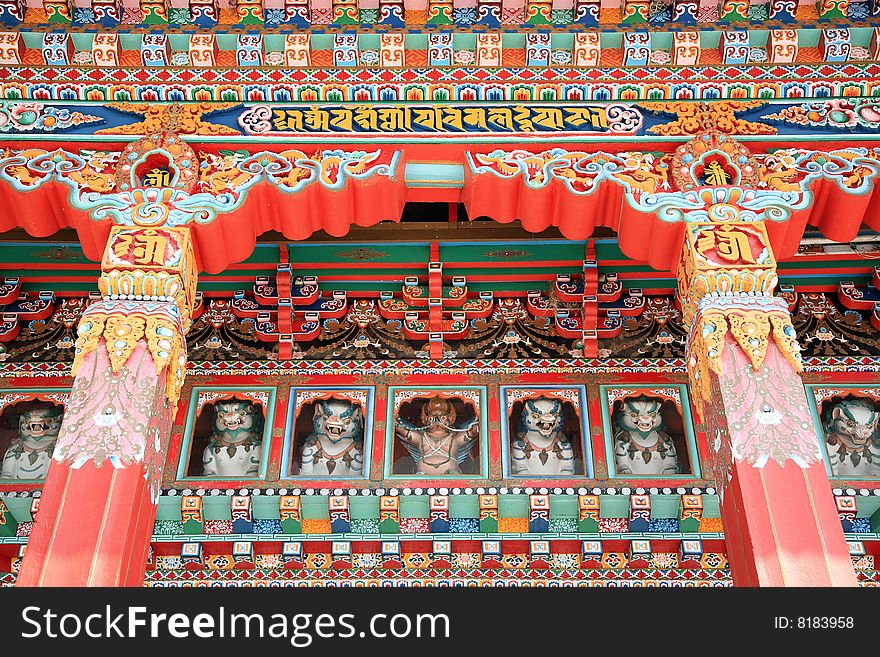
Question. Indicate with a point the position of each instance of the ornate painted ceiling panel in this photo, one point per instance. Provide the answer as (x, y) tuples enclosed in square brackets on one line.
[(400, 13), (380, 47)]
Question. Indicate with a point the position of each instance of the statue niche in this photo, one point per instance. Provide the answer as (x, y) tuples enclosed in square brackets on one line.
[(648, 437), (440, 434), (545, 438), (29, 453), (333, 441), (228, 435), (852, 436)]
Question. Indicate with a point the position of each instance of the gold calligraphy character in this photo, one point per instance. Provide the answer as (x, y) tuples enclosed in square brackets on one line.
[(147, 248), (367, 118), (501, 116), (476, 116), (452, 116), (599, 117), (394, 119), (523, 119), (317, 119), (157, 178), (715, 174), (287, 120), (729, 243), (548, 117), (341, 120), (428, 117)]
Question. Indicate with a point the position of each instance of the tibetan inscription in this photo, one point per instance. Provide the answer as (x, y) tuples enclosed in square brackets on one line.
[(441, 119)]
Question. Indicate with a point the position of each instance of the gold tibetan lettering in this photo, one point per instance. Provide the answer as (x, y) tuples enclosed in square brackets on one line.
[(317, 119), (716, 175), (476, 116), (523, 119), (366, 118), (157, 178), (341, 119), (394, 119), (501, 116), (730, 244), (289, 120), (548, 117), (452, 116), (428, 117), (149, 248)]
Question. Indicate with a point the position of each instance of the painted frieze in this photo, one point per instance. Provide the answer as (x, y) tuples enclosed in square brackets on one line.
[(227, 433), (29, 424), (436, 432), (329, 431), (544, 433)]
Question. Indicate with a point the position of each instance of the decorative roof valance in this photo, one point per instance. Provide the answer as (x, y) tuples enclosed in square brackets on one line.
[(647, 198)]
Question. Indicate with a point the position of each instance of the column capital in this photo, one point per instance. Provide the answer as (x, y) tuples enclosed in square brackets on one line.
[(726, 280), (148, 287)]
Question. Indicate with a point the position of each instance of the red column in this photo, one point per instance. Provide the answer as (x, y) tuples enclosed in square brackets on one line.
[(99, 501), (780, 522)]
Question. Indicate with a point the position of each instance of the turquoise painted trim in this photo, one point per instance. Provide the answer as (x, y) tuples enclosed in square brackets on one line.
[(321, 41), (390, 437), (586, 443), (561, 41), (434, 175), (416, 41), (532, 243), (860, 36), (26, 391), (820, 432), (369, 42), (179, 42), (286, 452), (464, 40), (226, 41), (20, 507), (273, 42), (808, 38), (663, 41), (82, 40), (129, 41), (32, 39), (269, 421), (690, 437)]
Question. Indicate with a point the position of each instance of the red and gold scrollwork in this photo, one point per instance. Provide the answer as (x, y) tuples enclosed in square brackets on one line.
[(150, 264), (122, 325), (148, 284), (752, 323)]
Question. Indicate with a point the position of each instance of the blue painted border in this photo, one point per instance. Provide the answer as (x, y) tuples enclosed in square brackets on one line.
[(269, 423), (291, 421), (389, 435), (690, 437), (586, 443)]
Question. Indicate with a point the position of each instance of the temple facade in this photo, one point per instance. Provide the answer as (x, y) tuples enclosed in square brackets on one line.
[(439, 293)]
